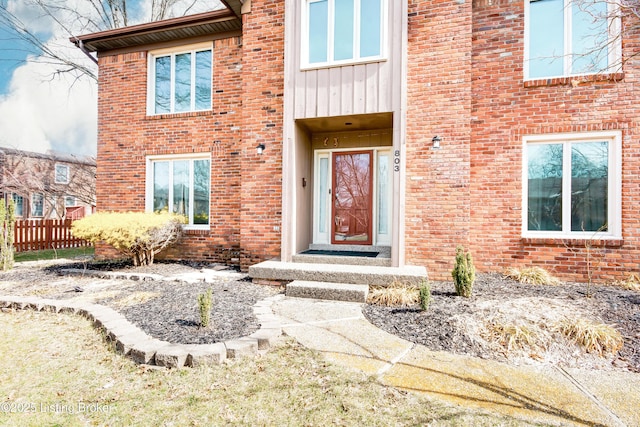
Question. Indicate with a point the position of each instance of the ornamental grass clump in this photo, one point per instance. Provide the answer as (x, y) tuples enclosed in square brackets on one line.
[(464, 273), (593, 337), (138, 235), (205, 302), (396, 294), (532, 276)]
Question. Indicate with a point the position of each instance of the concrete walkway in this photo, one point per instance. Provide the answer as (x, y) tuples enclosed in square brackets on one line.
[(544, 394)]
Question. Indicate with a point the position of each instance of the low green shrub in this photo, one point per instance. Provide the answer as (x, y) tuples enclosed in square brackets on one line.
[(205, 302), (464, 273), (139, 235), (7, 234), (425, 295)]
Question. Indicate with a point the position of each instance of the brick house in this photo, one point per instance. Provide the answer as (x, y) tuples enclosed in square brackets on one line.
[(47, 186), (401, 126)]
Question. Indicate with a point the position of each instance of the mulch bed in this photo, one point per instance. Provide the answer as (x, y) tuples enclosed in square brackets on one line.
[(168, 310), (439, 327)]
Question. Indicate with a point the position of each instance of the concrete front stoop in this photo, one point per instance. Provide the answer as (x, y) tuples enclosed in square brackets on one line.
[(327, 291)]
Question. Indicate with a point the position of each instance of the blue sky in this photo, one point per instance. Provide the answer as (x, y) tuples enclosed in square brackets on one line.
[(41, 111)]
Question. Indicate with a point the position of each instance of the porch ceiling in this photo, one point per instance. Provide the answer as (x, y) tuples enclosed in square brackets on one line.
[(347, 123)]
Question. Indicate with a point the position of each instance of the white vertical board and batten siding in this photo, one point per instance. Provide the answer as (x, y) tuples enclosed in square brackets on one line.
[(350, 89)]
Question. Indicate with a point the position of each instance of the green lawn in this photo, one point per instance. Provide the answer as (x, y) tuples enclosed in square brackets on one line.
[(57, 370), (54, 254)]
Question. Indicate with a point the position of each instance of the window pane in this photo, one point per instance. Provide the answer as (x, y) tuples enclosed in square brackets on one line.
[(37, 205), (181, 187), (18, 202), (343, 33), (383, 193), (324, 180), (544, 198), (163, 85), (370, 28), (203, 80), (183, 82), (318, 31), (201, 180), (69, 201), (546, 38), (589, 37), (589, 184), (160, 186), (62, 174)]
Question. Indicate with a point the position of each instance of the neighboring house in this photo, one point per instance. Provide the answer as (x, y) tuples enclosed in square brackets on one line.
[(414, 126), (48, 186)]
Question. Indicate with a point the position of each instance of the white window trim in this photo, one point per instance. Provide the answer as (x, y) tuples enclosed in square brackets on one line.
[(614, 63), (614, 189), (149, 185), (55, 172), (151, 74), (304, 45)]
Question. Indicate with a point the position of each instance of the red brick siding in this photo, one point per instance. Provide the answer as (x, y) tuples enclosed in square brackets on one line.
[(504, 109), (263, 88), (439, 103), (127, 136)]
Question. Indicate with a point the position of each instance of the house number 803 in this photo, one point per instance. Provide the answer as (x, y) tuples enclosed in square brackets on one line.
[(396, 161)]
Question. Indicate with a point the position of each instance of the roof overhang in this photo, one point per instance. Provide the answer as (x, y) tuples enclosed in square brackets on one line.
[(190, 26)]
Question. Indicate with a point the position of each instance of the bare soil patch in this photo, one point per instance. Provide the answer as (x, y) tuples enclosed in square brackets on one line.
[(467, 325)]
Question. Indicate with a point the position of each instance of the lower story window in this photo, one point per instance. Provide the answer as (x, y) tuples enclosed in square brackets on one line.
[(572, 185), (180, 185), (37, 204)]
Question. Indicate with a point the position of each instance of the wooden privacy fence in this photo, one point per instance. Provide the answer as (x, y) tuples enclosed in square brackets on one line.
[(34, 235)]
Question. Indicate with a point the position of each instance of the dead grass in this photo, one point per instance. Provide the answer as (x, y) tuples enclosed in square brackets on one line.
[(512, 336), (396, 294), (631, 283), (135, 298), (594, 337), (55, 364), (532, 276)]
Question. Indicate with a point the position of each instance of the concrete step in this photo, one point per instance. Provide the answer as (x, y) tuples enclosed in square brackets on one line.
[(347, 260), (327, 291), (336, 273)]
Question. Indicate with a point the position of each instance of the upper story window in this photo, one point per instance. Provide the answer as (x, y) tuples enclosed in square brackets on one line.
[(62, 174), (572, 185), (570, 37), (180, 80), (342, 31), (180, 184)]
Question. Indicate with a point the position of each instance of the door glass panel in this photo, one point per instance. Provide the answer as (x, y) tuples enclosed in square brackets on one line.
[(383, 193), (352, 198), (322, 195)]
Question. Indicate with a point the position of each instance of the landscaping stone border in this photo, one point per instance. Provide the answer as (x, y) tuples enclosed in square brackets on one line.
[(131, 341)]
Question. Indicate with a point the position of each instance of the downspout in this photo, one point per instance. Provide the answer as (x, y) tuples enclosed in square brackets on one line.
[(84, 50)]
